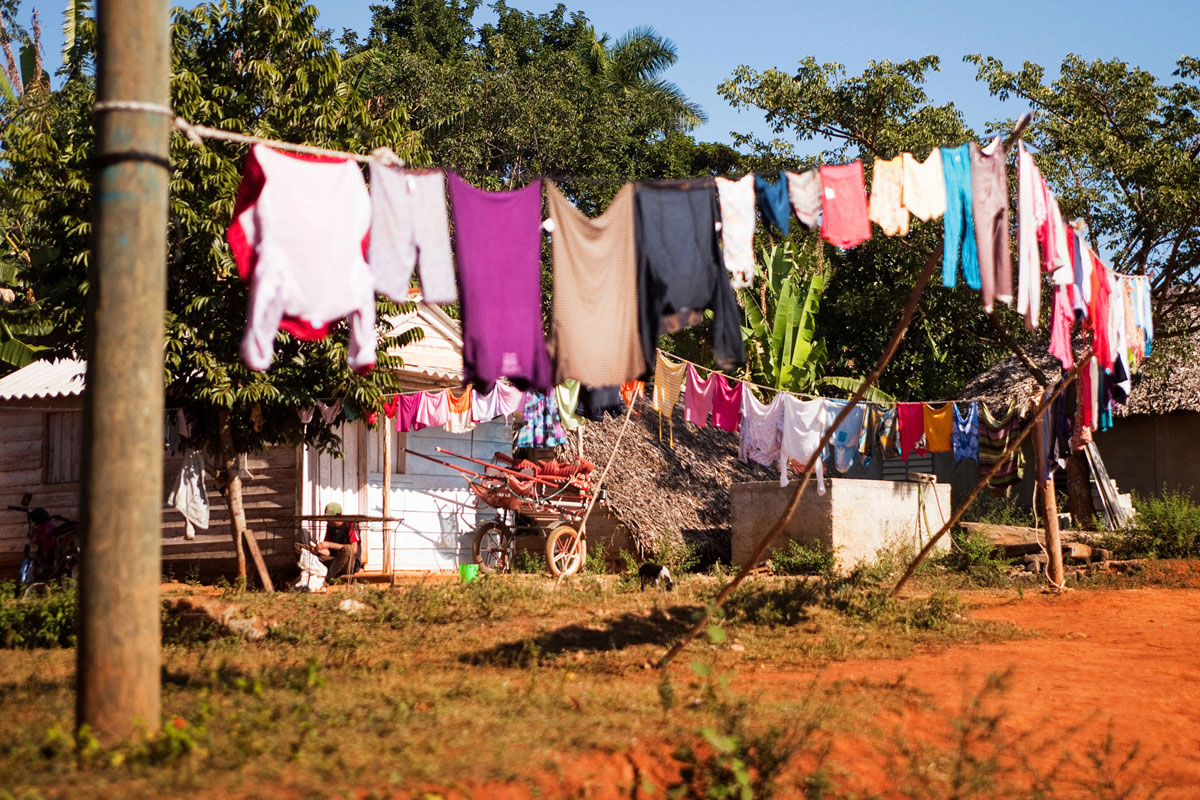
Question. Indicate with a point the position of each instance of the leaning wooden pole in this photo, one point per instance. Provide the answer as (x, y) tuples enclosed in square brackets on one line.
[(118, 657), (983, 479), (1045, 487)]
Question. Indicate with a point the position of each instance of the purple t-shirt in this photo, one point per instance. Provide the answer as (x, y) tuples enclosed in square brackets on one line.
[(497, 241)]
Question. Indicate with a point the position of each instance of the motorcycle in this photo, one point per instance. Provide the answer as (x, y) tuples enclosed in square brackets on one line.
[(52, 549)]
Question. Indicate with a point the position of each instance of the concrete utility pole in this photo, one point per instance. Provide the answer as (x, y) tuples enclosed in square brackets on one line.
[(121, 502)]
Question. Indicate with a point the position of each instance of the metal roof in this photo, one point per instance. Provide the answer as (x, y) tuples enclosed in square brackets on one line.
[(45, 379)]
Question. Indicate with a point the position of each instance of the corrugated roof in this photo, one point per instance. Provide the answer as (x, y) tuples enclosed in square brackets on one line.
[(64, 378)]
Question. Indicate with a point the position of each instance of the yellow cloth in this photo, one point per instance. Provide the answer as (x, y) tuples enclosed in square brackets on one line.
[(668, 383), (566, 394), (939, 427)]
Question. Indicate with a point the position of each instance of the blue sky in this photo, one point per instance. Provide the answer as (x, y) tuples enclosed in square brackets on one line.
[(714, 38)]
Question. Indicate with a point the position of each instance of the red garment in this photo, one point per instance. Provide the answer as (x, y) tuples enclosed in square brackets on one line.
[(1098, 314), (912, 428), (1061, 320), (391, 406), (727, 404), (844, 220), (630, 390)]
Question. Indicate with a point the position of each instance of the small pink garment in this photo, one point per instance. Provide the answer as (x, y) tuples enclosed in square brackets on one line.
[(1061, 320), (698, 397), (434, 410), (912, 428), (406, 413), (511, 399), (727, 403)]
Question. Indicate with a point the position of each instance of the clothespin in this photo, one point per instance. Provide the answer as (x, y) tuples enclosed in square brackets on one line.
[(387, 156)]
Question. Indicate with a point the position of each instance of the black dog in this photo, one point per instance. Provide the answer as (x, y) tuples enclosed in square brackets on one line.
[(656, 574)]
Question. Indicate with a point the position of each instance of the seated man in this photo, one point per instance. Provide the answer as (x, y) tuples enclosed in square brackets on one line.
[(340, 548)]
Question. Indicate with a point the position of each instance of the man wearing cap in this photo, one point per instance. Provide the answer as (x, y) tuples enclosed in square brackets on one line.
[(340, 548)]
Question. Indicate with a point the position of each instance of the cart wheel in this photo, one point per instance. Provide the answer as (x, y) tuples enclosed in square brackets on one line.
[(565, 551), (492, 548)]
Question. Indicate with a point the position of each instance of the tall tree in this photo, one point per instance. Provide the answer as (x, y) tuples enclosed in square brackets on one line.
[(258, 67)]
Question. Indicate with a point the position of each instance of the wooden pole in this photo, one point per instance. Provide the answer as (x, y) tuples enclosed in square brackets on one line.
[(983, 479), (118, 658), (387, 493), (1045, 487)]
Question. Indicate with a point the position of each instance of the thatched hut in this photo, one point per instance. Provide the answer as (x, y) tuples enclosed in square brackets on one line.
[(1152, 442), (661, 495)]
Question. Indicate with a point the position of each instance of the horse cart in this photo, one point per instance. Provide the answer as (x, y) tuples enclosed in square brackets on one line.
[(546, 498)]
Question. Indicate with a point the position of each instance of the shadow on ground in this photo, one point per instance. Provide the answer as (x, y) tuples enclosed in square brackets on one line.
[(659, 627)]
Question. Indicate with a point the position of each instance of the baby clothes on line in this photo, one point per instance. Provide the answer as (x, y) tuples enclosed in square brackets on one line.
[(939, 427), (698, 397), (989, 206), (959, 221), (802, 423), (888, 432), (668, 381), (434, 410), (727, 403), (737, 228), (631, 391), (996, 434), (566, 396), (330, 411), (496, 239), (844, 221), (923, 190), (772, 199), (760, 431), (911, 422), (459, 418), (965, 441), (543, 425), (595, 315), (410, 227), (1099, 314), (885, 207), (306, 414), (1082, 267), (502, 400), (804, 192), (406, 413), (597, 402), (391, 406), (299, 235), (866, 441), (680, 273), (1029, 203), (847, 439)]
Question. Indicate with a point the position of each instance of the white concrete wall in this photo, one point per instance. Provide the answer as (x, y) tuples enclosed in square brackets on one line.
[(855, 517)]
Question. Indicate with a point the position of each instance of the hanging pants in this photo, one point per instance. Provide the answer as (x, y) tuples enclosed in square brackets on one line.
[(959, 220)]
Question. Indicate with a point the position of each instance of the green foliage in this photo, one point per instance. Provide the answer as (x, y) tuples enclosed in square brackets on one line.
[(37, 620), (1167, 526), (781, 317), (998, 511), (596, 560), (529, 562), (796, 558), (973, 554), (677, 555)]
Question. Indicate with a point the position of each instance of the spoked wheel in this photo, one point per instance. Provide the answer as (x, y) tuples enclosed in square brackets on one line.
[(492, 548), (565, 550)]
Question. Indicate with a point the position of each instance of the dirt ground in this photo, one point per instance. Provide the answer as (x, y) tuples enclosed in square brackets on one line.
[(1103, 702)]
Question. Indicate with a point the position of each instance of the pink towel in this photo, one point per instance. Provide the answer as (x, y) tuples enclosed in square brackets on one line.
[(697, 397), (912, 428), (727, 403)]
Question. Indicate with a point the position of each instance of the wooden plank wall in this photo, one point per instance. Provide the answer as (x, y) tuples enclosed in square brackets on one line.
[(269, 488)]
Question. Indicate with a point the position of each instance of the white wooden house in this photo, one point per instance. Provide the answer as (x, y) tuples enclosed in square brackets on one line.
[(41, 437), (437, 510)]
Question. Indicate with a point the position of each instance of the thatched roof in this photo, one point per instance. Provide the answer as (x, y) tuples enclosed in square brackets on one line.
[(1168, 382), (663, 493)]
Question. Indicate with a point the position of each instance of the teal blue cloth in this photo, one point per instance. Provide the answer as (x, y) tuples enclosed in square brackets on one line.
[(959, 219), (773, 203)]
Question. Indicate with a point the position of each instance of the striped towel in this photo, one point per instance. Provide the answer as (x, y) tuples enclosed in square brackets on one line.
[(996, 434)]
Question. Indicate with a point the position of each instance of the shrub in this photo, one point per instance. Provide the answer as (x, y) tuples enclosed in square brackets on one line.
[(1164, 527), (46, 620), (529, 562), (973, 554), (998, 511), (802, 559)]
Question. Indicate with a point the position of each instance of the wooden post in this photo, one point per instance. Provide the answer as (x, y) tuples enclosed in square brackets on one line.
[(118, 658), (1045, 487), (387, 494)]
